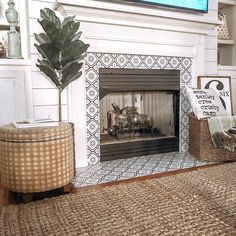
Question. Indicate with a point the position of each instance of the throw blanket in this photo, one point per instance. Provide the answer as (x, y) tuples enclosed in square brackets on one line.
[(220, 136)]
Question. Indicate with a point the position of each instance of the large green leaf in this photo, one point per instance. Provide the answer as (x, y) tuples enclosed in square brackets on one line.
[(72, 50), (44, 56), (49, 15), (77, 59), (70, 79), (69, 30), (67, 19), (71, 70), (76, 36), (48, 71), (42, 38), (46, 62), (41, 52), (52, 53), (51, 30)]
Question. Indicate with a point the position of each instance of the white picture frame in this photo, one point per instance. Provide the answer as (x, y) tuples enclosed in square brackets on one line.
[(222, 86)]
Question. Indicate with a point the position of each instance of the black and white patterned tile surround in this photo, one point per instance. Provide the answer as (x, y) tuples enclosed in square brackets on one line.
[(95, 60), (132, 167)]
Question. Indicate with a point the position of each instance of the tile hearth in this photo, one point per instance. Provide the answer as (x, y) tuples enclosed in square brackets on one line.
[(132, 167)]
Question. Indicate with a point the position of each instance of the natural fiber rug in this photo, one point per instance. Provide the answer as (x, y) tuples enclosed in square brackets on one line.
[(201, 202)]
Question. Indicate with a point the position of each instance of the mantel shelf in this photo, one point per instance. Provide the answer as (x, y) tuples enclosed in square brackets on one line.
[(117, 13)]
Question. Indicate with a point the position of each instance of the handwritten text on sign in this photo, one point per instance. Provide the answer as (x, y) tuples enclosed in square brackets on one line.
[(206, 102)]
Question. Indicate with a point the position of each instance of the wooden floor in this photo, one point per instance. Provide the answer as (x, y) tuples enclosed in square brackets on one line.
[(8, 197)]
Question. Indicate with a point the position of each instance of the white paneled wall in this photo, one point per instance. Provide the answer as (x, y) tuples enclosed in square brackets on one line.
[(211, 45), (15, 90), (12, 96), (211, 53)]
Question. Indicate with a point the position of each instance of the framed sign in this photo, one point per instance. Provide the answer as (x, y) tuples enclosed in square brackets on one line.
[(222, 86)]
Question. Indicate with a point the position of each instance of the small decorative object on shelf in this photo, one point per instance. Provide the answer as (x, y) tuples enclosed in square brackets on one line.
[(14, 44), (218, 56), (34, 123), (25, 125), (223, 32), (3, 52)]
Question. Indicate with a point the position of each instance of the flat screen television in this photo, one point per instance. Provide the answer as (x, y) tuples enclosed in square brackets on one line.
[(193, 5)]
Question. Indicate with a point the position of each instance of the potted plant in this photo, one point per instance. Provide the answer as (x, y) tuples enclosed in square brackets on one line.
[(61, 50)]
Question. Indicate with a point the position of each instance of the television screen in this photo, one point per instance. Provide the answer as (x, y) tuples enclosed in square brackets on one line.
[(196, 5)]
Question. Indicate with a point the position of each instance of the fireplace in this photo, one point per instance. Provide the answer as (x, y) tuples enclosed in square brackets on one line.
[(139, 112), (95, 62), (133, 37)]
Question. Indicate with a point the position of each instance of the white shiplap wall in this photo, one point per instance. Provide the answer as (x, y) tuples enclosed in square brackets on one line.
[(211, 44), (211, 53), (45, 95)]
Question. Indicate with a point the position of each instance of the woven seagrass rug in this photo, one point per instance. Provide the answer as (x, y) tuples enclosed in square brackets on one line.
[(200, 202)]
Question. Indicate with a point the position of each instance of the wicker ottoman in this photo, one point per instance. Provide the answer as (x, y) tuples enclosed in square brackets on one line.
[(36, 159)]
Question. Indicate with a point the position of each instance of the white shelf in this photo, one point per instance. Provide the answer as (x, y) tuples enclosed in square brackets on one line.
[(226, 48), (226, 41), (4, 25), (14, 62), (226, 68)]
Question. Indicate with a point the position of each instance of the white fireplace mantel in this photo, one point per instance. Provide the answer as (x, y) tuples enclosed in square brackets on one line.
[(117, 12)]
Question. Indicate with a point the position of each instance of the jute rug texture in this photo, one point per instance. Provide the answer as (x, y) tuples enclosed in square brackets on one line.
[(201, 202)]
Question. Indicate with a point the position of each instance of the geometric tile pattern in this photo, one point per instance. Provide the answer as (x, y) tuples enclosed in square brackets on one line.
[(132, 167), (94, 61)]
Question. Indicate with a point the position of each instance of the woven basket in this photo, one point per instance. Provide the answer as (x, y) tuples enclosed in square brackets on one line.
[(36, 159), (201, 145), (222, 30)]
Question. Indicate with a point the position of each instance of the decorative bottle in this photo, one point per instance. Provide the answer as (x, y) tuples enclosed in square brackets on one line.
[(14, 44)]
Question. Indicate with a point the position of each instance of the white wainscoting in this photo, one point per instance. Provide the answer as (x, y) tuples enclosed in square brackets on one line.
[(15, 91)]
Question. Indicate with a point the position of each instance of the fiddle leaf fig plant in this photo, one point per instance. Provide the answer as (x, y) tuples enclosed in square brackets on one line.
[(61, 50)]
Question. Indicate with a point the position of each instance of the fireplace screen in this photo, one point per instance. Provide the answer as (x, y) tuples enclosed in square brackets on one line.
[(136, 115)]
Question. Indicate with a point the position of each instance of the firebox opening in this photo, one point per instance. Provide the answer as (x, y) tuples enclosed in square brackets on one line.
[(132, 116), (139, 112)]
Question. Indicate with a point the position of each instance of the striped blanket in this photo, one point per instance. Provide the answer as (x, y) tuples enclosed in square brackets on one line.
[(219, 127)]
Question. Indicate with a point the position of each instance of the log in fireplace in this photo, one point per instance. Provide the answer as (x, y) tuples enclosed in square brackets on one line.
[(139, 112)]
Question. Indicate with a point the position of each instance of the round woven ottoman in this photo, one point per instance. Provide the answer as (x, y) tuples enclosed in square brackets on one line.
[(36, 159)]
